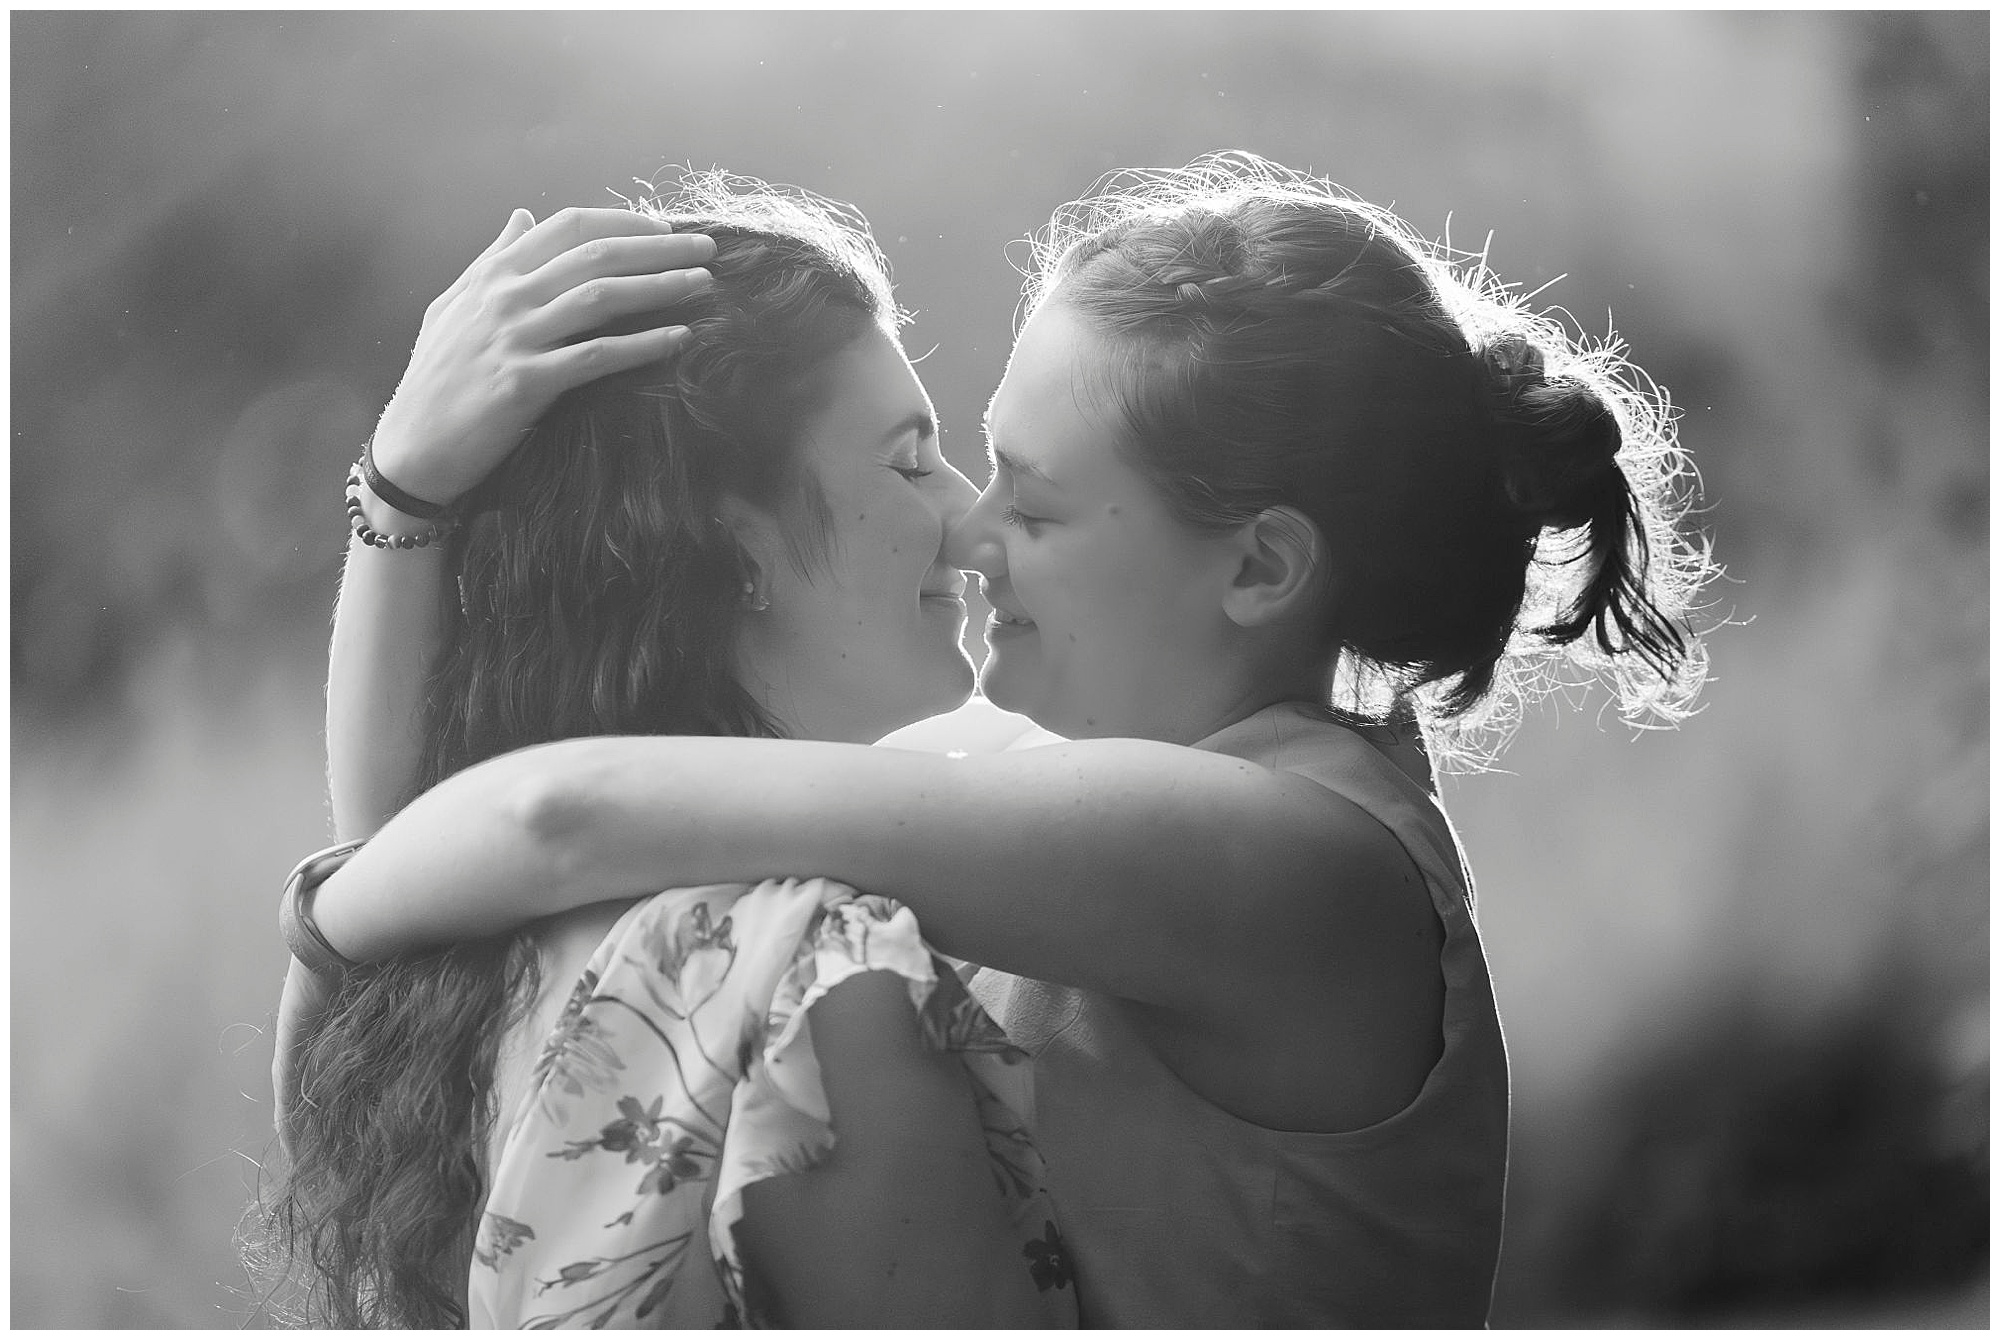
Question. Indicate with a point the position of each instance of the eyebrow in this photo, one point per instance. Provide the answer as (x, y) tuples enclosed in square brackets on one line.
[(1013, 465), (920, 423)]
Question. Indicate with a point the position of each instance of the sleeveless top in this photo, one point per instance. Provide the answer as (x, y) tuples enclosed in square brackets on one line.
[(680, 1071), (1178, 1214)]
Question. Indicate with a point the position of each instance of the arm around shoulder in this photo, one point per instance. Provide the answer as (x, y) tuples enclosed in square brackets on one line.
[(1117, 864)]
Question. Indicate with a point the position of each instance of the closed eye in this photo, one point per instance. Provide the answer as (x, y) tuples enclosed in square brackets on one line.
[(912, 472), (1012, 516)]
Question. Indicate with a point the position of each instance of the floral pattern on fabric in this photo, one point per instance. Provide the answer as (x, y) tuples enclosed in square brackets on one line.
[(680, 1072)]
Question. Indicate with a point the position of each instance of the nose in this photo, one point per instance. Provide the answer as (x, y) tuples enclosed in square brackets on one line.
[(972, 543), (957, 494)]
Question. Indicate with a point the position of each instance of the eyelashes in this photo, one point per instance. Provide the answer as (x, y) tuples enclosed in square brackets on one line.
[(912, 472)]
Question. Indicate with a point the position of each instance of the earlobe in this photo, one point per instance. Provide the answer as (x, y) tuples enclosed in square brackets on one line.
[(757, 541), (1282, 568)]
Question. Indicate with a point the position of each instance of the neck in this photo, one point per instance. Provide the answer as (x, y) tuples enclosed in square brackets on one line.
[(791, 697), (1203, 697), (799, 718), (1314, 686)]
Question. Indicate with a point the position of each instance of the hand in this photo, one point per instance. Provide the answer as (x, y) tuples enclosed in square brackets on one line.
[(520, 327), (305, 998)]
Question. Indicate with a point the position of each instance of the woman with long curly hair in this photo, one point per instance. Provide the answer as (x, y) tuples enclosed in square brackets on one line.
[(1270, 474), (736, 532)]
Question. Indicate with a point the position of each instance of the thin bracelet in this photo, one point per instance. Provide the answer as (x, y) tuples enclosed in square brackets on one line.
[(303, 936), (357, 521), (406, 503)]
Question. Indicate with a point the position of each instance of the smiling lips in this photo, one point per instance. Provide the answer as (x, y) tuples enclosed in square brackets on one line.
[(1002, 616)]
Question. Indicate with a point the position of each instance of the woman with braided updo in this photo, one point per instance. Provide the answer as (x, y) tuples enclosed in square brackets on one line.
[(1273, 482)]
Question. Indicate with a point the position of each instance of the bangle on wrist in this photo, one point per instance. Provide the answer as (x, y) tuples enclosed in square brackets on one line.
[(406, 503), (357, 519), (295, 921)]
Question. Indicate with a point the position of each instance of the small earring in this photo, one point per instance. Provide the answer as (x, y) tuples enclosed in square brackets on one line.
[(752, 601)]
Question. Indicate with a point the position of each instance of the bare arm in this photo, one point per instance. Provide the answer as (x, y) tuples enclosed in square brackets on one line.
[(1163, 867), (901, 1225), (520, 327), (387, 628)]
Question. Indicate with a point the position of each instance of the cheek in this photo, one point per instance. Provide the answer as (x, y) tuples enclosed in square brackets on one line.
[(874, 535), (1112, 577), (1125, 602), (914, 535), (897, 515), (891, 543)]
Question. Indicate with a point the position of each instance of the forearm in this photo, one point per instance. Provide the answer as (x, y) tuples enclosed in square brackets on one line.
[(1123, 843), (463, 859), (387, 627), (563, 825)]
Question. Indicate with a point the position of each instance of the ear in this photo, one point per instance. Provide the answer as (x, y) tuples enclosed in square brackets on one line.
[(1281, 571), (757, 534)]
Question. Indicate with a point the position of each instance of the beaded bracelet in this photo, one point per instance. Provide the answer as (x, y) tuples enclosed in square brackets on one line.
[(295, 921), (406, 503), (357, 521)]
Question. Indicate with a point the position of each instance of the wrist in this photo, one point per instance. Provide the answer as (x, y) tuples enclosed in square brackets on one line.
[(385, 518), (310, 948), (402, 458), (363, 484)]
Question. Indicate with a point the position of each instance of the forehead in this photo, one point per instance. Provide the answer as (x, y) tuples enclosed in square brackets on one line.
[(871, 391), (1050, 414)]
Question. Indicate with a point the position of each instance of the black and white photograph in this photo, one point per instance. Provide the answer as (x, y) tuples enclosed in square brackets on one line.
[(1143, 669)]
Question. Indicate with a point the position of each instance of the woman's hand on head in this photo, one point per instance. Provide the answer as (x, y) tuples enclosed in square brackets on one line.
[(526, 322)]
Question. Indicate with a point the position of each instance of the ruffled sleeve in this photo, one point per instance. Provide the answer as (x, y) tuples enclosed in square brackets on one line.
[(680, 1072)]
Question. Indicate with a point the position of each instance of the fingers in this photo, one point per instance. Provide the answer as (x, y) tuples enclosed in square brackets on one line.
[(537, 264), (574, 365), (610, 256), (596, 304), (518, 223), (568, 229)]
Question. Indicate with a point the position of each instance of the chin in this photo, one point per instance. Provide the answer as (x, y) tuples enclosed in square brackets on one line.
[(1009, 695), (945, 688)]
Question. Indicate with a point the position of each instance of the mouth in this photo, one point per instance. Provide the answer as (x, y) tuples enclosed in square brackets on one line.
[(945, 596), (1003, 620), (942, 600), (946, 585), (943, 584)]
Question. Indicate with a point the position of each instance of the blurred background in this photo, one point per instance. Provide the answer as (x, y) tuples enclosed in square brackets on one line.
[(1743, 967)]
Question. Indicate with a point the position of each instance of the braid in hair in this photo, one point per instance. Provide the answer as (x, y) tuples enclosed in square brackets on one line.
[(1489, 492)]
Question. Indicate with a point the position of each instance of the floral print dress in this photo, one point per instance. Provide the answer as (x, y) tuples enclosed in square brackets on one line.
[(681, 1071)]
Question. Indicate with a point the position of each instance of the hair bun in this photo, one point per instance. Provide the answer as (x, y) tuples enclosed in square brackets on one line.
[(1559, 441)]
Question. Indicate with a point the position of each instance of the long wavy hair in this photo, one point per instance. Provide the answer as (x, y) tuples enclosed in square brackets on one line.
[(1500, 503), (597, 592)]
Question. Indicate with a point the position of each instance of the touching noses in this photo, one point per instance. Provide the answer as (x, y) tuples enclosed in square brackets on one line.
[(972, 536)]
